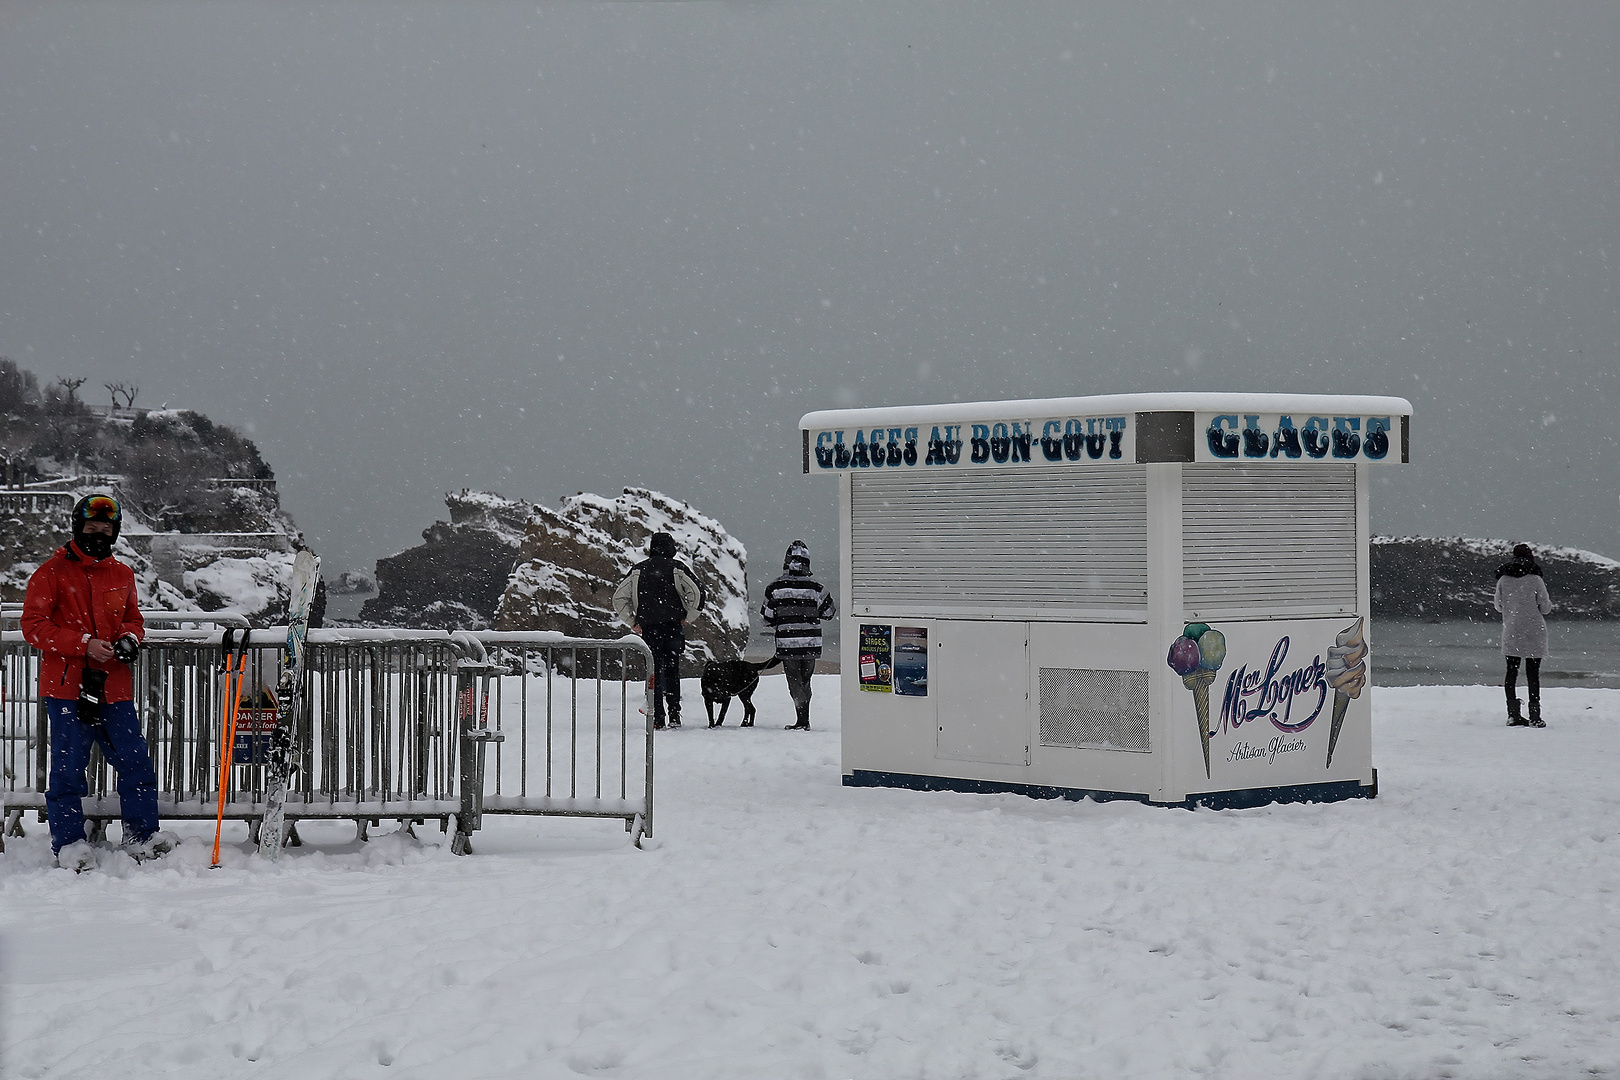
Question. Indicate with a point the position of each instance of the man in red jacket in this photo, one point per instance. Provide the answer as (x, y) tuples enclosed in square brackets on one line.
[(81, 613)]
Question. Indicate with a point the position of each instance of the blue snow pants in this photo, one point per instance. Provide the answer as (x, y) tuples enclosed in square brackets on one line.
[(119, 734)]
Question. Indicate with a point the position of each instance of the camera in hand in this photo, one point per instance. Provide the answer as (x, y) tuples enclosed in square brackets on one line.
[(126, 648), (92, 692)]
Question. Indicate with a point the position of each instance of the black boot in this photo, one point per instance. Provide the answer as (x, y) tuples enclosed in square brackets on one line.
[(803, 709), (1535, 713), (1515, 717)]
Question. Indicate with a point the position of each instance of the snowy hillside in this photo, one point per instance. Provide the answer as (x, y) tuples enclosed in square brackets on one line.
[(1463, 924), (244, 572)]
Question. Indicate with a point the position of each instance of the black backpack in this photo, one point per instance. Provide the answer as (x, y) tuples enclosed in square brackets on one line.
[(657, 599)]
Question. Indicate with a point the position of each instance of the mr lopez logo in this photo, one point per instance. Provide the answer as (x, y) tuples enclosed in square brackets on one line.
[(1003, 442), (1251, 695)]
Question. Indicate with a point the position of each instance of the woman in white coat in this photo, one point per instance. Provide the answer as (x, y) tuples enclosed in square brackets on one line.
[(1521, 597)]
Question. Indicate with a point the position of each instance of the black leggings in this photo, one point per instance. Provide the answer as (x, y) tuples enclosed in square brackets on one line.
[(1532, 678), (798, 679)]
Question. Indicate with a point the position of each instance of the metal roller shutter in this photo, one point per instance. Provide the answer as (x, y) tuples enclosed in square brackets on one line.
[(1268, 539), (1008, 543)]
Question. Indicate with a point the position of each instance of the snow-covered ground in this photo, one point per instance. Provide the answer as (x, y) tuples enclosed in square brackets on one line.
[(1466, 923)]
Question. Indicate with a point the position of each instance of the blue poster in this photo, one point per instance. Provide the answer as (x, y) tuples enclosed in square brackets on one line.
[(911, 661)]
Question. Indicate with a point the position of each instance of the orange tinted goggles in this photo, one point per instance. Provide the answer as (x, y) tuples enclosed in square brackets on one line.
[(101, 508)]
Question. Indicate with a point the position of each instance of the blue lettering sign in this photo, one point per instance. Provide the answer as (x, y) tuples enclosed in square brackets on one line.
[(1376, 444), (1222, 436), (1346, 443), (1285, 440), (1316, 441)]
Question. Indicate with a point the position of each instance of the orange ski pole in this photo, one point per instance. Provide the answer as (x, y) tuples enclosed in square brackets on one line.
[(227, 747)]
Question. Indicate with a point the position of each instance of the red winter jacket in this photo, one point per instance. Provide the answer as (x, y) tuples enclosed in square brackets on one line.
[(71, 599)]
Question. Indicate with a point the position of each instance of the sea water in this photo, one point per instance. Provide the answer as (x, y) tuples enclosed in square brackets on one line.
[(1410, 652)]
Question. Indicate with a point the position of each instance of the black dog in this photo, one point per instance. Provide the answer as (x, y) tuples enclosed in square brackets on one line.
[(723, 678)]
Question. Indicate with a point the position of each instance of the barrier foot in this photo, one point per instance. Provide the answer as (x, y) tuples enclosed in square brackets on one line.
[(14, 826), (360, 827), (293, 839), (460, 842), (638, 829)]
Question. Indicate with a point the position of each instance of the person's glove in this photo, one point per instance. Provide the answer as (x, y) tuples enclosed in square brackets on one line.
[(126, 648)]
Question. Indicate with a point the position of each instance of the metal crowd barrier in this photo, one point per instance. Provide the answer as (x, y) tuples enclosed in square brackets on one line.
[(407, 725)]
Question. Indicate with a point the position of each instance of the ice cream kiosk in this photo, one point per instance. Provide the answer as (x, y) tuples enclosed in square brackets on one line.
[(1160, 597)]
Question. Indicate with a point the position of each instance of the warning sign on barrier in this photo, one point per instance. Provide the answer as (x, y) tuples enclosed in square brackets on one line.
[(255, 721)]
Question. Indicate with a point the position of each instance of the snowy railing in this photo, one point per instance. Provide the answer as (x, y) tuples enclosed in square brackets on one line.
[(408, 725), (15, 502)]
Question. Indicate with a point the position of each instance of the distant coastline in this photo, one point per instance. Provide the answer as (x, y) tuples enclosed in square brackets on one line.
[(1442, 578)]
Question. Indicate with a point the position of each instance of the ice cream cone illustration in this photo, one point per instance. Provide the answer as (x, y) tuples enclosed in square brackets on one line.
[(1196, 656), (1199, 683), (1347, 675)]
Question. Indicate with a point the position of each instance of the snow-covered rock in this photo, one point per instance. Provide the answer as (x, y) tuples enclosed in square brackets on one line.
[(352, 583), (572, 558), (454, 579)]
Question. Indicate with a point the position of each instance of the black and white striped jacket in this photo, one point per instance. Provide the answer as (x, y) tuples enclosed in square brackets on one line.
[(795, 605)]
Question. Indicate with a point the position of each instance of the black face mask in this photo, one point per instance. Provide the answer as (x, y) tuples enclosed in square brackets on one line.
[(95, 545)]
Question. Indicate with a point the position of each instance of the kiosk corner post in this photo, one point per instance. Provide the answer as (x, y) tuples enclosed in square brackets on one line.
[(1164, 612), (473, 736)]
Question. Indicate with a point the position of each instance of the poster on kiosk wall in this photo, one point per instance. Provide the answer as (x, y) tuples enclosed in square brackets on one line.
[(1274, 703), (877, 659)]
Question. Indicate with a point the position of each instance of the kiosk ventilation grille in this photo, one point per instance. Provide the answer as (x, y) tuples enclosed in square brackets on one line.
[(1269, 539), (999, 543), (1094, 710)]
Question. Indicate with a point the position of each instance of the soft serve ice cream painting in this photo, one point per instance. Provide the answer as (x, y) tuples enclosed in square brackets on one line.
[(1347, 674), (1272, 681)]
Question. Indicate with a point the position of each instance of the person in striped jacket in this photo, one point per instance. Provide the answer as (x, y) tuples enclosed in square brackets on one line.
[(795, 605)]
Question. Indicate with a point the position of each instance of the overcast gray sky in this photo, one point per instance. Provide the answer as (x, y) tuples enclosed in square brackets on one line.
[(412, 247)]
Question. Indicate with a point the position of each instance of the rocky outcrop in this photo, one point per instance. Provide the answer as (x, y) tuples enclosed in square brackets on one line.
[(454, 579), (515, 565), (1455, 578), (352, 583), (572, 558)]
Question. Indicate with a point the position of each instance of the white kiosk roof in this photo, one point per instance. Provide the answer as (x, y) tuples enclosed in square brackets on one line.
[(967, 412)]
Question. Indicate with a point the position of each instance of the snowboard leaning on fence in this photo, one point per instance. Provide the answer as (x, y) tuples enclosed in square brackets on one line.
[(282, 758)]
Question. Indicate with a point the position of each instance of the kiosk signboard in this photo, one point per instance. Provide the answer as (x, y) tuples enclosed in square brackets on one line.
[(1005, 441), (1237, 438)]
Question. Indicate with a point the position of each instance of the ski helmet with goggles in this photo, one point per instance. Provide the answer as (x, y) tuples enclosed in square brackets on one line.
[(97, 508)]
